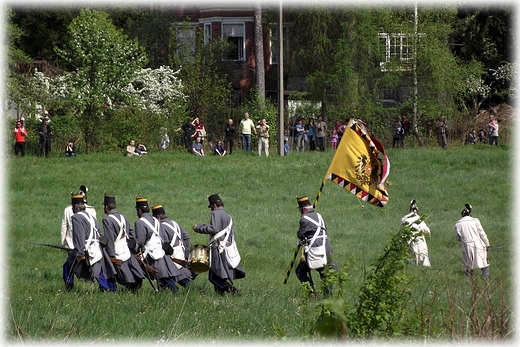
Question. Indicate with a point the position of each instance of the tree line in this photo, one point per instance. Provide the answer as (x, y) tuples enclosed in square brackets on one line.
[(114, 74)]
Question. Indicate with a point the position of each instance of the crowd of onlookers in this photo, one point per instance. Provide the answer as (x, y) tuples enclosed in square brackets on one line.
[(300, 135)]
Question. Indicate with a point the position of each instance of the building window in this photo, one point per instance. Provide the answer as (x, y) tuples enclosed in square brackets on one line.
[(274, 45), (397, 51), (387, 96), (186, 42), (235, 36), (207, 33)]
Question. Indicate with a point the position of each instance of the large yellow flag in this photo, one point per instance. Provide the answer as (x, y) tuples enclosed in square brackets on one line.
[(360, 165)]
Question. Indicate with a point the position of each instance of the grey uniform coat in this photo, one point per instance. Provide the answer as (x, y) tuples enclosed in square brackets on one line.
[(130, 269), (80, 234), (219, 265), (164, 266), (185, 240), (308, 229)]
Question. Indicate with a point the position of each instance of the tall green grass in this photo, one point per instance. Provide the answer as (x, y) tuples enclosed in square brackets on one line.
[(259, 193)]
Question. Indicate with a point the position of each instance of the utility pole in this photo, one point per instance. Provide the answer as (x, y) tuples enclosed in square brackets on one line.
[(280, 82)]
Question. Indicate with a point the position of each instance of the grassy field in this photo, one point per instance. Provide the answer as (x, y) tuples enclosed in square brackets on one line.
[(259, 193)]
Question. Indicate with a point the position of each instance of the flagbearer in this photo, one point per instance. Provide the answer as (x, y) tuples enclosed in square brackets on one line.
[(317, 250)]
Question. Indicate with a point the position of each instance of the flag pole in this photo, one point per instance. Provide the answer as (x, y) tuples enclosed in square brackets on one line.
[(319, 193)]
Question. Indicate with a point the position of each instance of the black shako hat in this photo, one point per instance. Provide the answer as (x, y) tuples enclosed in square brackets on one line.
[(303, 201), (77, 199), (157, 210), (413, 206), (83, 190), (212, 199), (109, 199), (141, 202), (467, 210)]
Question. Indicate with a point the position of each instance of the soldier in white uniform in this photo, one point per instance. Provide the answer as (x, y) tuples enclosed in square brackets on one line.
[(473, 242), (418, 246)]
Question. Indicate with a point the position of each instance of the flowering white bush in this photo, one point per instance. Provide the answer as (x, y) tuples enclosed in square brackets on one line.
[(156, 89)]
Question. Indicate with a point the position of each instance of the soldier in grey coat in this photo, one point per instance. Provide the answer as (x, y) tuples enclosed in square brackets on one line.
[(179, 245), (119, 231), (312, 234), (149, 242), (222, 232), (88, 259)]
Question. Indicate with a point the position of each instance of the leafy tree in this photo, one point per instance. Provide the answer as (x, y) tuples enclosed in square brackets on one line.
[(104, 62), (204, 76)]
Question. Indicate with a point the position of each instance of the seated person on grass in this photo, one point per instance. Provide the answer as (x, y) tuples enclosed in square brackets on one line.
[(197, 148)]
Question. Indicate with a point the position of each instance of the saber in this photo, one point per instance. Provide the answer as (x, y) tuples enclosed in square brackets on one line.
[(49, 245)]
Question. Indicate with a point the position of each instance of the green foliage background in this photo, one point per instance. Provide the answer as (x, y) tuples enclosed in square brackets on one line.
[(259, 193)]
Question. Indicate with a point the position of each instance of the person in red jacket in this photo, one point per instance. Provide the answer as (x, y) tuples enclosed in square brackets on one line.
[(20, 134)]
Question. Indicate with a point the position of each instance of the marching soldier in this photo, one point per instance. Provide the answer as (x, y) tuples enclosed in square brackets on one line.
[(224, 266), (88, 259), (317, 249), (179, 244), (119, 232), (149, 242)]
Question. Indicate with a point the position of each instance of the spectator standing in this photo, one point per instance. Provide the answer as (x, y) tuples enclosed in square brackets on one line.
[(292, 133), (70, 150), (200, 130), (473, 241), (188, 130), (441, 131), (165, 139), (493, 131), (19, 139), (481, 136), (247, 127), (471, 139), (398, 133), (197, 148), (45, 132), (286, 143), (334, 139), (321, 133), (263, 137), (219, 149), (229, 140), (311, 134), (224, 266), (299, 129), (340, 129), (406, 125)]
